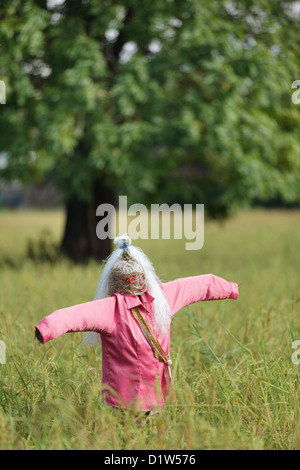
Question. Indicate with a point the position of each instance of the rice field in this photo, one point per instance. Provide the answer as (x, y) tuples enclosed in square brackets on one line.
[(236, 385)]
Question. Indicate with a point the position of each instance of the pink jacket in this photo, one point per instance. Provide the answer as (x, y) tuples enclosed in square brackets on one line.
[(129, 368)]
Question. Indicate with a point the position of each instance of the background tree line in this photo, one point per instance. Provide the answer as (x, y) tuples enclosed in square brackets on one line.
[(165, 101)]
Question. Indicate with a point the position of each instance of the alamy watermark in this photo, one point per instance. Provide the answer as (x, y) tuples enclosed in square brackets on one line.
[(295, 99), (2, 352), (296, 354), (2, 92), (160, 221)]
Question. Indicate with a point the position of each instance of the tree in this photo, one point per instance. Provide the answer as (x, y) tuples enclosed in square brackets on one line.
[(177, 101)]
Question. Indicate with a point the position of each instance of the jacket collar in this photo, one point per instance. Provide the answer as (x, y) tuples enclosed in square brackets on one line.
[(134, 300)]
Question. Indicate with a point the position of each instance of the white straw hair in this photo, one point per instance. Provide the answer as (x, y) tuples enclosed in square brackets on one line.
[(135, 255)]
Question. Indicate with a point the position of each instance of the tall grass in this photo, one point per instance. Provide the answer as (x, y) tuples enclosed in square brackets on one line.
[(236, 386)]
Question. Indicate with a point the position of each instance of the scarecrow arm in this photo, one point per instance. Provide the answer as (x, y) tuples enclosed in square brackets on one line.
[(97, 315), (186, 291)]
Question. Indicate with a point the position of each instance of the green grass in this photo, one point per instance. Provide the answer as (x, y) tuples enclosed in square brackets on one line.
[(236, 385)]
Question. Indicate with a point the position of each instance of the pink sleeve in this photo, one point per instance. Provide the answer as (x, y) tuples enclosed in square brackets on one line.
[(98, 315), (185, 291)]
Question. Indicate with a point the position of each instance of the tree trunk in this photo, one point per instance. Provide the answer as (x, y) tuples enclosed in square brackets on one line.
[(80, 241)]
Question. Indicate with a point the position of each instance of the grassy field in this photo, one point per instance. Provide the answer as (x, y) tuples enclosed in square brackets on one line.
[(236, 385)]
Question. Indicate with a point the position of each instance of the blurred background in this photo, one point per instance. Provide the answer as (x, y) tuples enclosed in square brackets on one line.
[(162, 101)]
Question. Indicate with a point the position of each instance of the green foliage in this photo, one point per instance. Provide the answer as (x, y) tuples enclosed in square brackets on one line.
[(199, 110)]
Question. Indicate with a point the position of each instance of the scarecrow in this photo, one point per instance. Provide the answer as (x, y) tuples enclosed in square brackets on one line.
[(131, 317)]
